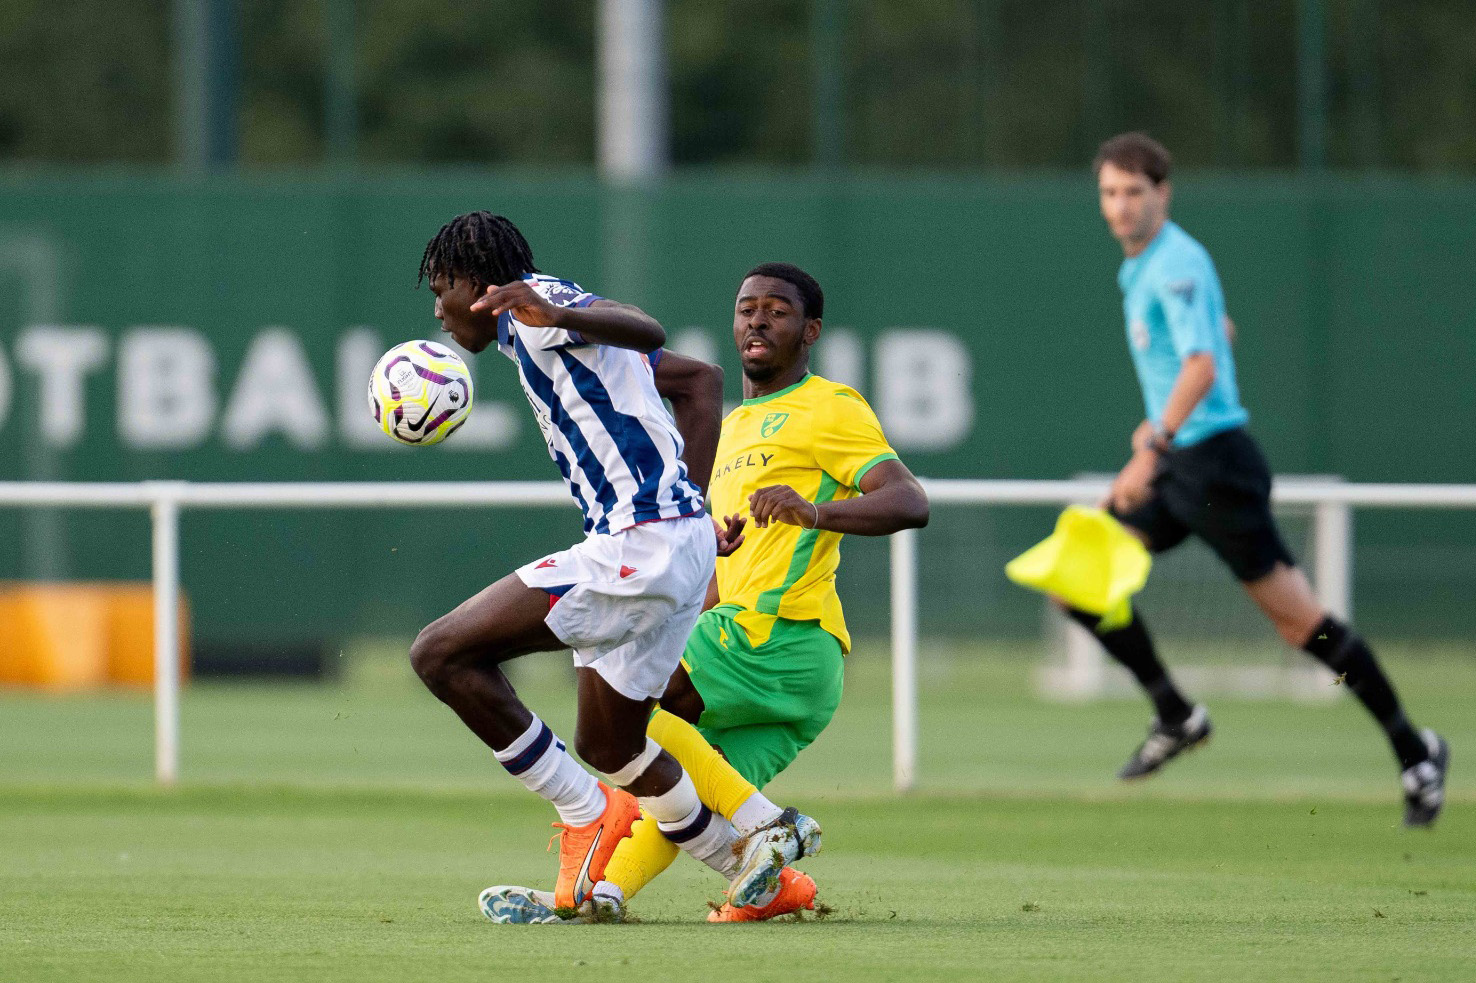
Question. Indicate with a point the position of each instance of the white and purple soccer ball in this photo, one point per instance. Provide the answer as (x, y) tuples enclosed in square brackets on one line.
[(420, 392)]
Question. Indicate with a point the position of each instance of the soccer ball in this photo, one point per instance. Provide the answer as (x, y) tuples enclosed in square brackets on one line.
[(420, 392)]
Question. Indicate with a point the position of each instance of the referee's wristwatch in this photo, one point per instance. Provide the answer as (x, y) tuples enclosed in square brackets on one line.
[(1162, 440)]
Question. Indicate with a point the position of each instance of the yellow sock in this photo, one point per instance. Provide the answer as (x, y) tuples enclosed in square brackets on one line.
[(646, 852), (718, 783), (640, 857)]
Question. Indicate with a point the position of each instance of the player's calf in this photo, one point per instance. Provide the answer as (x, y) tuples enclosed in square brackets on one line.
[(679, 813), (470, 683), (458, 654)]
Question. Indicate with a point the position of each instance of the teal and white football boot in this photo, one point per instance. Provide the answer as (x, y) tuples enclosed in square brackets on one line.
[(767, 851), (507, 904)]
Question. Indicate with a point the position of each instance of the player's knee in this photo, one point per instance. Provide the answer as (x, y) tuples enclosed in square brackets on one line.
[(681, 699), (432, 656)]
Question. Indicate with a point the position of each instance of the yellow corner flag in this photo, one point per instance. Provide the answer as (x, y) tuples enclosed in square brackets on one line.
[(1090, 562)]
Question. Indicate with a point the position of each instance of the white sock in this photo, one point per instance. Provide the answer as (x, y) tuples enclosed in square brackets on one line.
[(604, 889), (755, 811), (684, 820), (539, 761), (715, 847)]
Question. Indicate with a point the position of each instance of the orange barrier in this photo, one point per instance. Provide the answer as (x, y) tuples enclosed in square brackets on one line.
[(74, 636)]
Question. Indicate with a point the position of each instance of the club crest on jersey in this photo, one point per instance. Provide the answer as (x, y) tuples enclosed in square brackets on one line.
[(772, 424), (559, 292), (1139, 332)]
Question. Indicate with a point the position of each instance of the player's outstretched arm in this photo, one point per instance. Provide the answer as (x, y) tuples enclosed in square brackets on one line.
[(604, 322), (891, 499), (695, 390), (609, 322)]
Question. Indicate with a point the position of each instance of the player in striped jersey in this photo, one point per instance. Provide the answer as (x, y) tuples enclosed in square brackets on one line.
[(626, 597)]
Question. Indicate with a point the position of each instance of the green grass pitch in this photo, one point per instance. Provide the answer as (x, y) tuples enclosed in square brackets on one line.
[(342, 832)]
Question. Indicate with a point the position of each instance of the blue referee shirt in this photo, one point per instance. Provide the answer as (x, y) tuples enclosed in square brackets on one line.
[(1174, 307)]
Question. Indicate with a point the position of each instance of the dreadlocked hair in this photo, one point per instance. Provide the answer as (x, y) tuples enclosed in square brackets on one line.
[(484, 247)]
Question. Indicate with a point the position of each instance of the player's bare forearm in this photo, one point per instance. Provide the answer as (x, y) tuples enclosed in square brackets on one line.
[(1142, 433), (603, 322), (893, 507), (695, 391), (608, 322), (1196, 376), (891, 499), (1133, 485)]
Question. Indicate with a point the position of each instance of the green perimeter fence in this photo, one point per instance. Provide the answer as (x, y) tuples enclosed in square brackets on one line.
[(221, 330)]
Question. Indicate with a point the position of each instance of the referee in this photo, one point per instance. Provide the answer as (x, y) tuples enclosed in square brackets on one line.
[(1195, 470)]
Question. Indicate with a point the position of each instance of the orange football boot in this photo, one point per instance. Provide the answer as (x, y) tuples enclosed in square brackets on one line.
[(796, 891), (585, 850)]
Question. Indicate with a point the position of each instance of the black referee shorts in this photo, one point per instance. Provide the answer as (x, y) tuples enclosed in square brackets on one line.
[(1220, 490)]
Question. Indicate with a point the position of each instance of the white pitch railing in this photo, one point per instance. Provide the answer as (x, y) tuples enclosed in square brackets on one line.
[(1332, 503), (166, 499)]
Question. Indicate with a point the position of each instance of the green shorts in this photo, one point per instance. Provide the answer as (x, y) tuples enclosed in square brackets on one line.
[(767, 703)]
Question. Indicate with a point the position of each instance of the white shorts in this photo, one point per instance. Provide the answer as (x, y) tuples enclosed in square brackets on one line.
[(626, 602)]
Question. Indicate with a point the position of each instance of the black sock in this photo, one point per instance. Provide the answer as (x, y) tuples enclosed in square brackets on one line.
[(1345, 653), (1131, 646)]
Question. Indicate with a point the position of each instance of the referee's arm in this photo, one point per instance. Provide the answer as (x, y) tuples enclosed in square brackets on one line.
[(1196, 376), (1194, 330), (1133, 485)]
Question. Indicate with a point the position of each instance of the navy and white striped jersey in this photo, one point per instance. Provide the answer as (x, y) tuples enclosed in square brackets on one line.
[(605, 425)]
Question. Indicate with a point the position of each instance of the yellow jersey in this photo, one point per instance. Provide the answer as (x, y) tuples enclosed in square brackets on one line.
[(819, 438)]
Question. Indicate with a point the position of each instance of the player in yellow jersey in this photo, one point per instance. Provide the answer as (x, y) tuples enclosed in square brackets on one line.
[(806, 460)]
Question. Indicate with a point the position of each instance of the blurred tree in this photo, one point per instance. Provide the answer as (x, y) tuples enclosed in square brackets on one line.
[(283, 54), (1428, 107), (446, 84), (510, 83), (740, 82), (84, 81), (938, 84)]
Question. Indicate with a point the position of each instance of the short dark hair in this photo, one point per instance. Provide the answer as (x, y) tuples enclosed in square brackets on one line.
[(484, 247), (1136, 153), (812, 298)]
